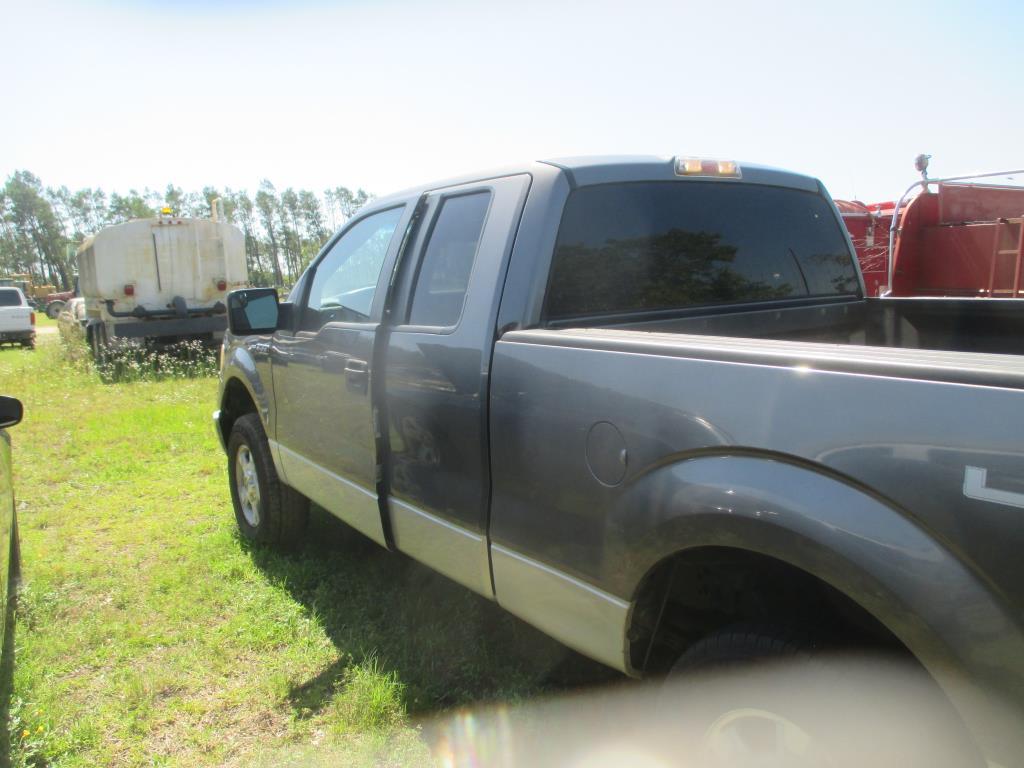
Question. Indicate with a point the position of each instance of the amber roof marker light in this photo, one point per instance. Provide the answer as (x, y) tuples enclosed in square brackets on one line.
[(697, 166)]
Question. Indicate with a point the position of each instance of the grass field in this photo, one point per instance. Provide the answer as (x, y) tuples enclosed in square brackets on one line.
[(149, 634)]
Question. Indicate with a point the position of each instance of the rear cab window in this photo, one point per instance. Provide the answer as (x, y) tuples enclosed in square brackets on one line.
[(632, 248), (10, 297)]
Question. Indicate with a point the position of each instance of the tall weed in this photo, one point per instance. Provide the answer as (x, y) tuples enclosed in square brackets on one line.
[(128, 360)]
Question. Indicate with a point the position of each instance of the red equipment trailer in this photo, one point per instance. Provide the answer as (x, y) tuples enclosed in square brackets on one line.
[(955, 238)]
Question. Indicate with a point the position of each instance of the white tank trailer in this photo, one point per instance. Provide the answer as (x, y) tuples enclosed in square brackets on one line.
[(160, 281)]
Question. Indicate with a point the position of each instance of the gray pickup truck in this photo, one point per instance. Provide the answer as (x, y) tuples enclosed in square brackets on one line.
[(641, 402)]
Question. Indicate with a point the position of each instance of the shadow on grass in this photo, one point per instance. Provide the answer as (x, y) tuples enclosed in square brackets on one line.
[(448, 646)]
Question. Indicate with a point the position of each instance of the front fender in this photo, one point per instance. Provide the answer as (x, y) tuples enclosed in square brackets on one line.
[(859, 543), (240, 365)]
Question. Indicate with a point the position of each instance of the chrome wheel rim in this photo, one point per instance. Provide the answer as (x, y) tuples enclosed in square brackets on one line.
[(762, 739), (248, 485)]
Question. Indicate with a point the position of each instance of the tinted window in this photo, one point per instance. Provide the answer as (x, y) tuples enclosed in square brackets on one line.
[(9, 297), (633, 247), (346, 279), (444, 274)]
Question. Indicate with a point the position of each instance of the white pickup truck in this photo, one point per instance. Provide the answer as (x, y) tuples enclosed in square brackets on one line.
[(17, 320)]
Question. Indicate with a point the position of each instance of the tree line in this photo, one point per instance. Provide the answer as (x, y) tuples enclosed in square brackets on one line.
[(41, 227)]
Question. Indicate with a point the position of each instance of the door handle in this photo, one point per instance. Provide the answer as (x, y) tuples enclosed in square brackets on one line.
[(357, 375)]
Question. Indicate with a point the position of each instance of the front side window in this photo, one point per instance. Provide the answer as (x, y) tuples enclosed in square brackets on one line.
[(629, 248), (346, 278), (448, 261)]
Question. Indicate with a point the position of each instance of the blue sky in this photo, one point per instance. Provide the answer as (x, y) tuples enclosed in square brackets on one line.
[(388, 94)]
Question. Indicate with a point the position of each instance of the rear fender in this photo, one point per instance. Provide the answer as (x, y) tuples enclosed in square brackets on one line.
[(861, 544)]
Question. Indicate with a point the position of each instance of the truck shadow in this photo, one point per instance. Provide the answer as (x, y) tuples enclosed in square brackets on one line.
[(446, 645)]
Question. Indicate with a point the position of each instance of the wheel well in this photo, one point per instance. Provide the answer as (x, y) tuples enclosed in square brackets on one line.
[(236, 402), (693, 593)]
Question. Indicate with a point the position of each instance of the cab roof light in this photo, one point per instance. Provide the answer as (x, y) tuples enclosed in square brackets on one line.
[(696, 166)]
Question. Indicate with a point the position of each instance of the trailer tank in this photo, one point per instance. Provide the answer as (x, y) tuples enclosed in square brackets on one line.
[(161, 280)]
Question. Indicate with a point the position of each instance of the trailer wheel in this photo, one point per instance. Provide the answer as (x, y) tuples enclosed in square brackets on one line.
[(756, 695), (54, 308), (266, 510)]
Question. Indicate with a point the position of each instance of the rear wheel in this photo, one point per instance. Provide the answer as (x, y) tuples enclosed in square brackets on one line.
[(266, 510), (764, 696)]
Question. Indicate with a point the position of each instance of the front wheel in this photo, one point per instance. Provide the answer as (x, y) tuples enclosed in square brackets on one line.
[(54, 308), (266, 510)]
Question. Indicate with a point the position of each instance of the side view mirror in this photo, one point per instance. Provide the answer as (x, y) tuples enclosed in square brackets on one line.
[(253, 310), (11, 411)]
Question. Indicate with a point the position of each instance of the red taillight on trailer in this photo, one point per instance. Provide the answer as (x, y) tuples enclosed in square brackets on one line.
[(222, 285), (129, 290)]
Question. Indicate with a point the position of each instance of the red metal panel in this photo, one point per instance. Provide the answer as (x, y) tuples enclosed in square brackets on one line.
[(922, 212), (869, 232), (979, 202), (959, 261)]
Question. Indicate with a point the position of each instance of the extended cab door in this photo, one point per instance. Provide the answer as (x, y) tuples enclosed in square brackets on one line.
[(437, 353), (323, 366)]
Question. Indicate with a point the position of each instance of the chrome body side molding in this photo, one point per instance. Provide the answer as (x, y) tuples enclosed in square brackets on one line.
[(449, 549), (344, 499), (582, 616)]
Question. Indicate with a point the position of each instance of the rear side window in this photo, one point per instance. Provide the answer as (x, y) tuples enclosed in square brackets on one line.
[(448, 262), (9, 297), (627, 248)]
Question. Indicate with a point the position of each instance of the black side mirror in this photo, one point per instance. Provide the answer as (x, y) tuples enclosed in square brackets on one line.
[(11, 411), (253, 310)]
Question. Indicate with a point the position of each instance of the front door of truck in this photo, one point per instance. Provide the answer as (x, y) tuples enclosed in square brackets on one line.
[(322, 370)]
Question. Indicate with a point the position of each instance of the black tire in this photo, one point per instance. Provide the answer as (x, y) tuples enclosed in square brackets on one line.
[(54, 308), (281, 511), (745, 694)]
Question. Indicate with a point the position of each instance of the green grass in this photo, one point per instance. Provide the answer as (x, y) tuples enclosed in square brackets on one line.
[(149, 634)]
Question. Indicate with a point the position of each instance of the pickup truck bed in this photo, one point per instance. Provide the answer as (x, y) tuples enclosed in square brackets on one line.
[(636, 405), (760, 407)]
